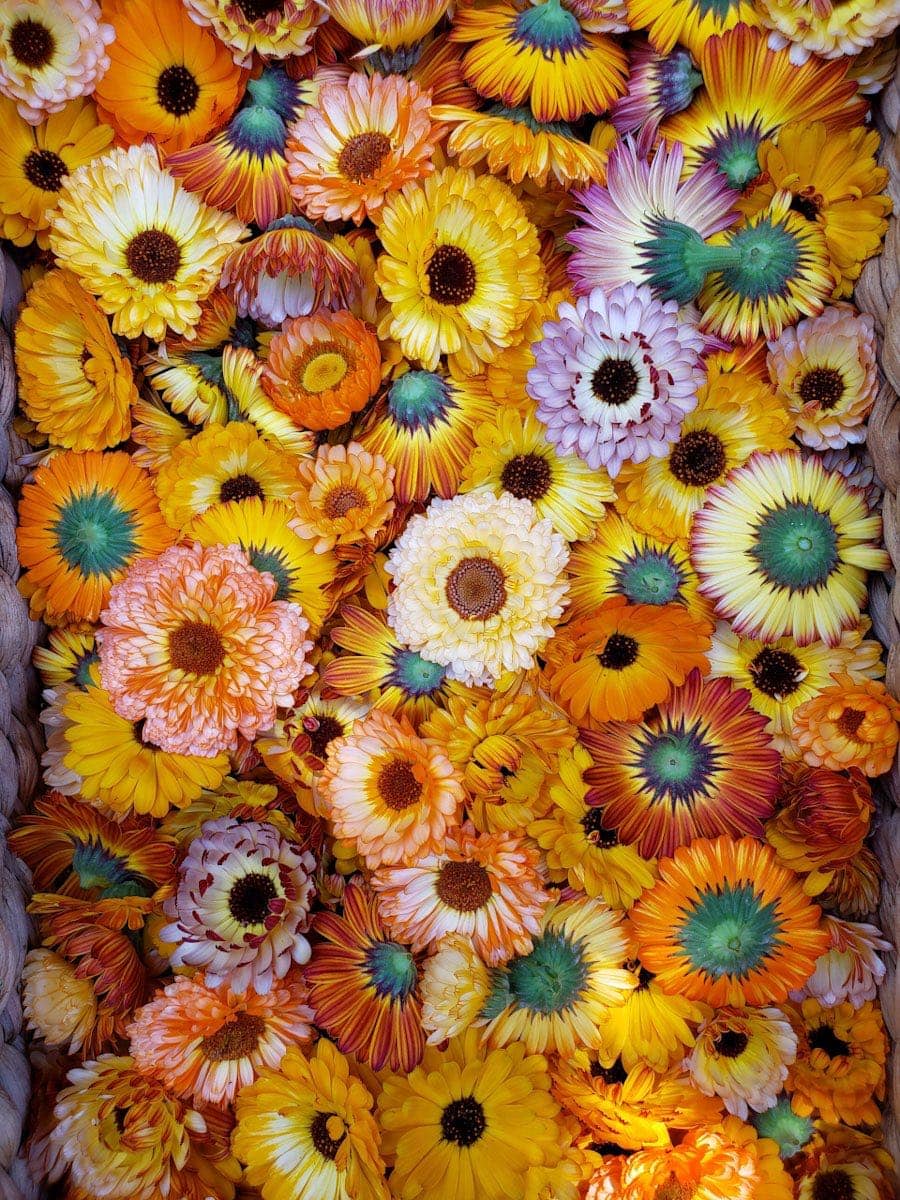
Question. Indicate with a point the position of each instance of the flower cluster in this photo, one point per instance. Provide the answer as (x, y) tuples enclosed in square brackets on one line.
[(446, 495)]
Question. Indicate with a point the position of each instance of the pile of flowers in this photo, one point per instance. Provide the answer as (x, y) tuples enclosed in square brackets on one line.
[(448, 503)]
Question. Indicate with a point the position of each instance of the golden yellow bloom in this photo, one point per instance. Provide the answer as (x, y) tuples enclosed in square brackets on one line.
[(59, 1006)]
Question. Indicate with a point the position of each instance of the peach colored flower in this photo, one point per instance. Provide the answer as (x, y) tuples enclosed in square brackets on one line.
[(194, 644), (849, 725), (345, 496)]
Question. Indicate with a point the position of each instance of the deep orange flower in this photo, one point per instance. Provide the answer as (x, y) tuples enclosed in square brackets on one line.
[(824, 818)]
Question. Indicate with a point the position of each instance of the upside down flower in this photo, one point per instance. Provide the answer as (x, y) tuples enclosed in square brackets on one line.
[(194, 644)]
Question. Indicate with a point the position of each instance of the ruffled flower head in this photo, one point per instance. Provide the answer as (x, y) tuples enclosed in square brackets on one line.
[(274, 30)]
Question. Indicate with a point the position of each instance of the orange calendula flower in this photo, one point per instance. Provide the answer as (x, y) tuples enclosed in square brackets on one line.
[(822, 820), (389, 791), (83, 522), (322, 368), (194, 644), (728, 924), (839, 1072), (624, 659), (486, 886), (205, 1043), (851, 724), (358, 142), (345, 496)]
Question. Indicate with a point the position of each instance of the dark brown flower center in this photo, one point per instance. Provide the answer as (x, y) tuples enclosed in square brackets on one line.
[(619, 652), (462, 1121), (674, 1189), (240, 487), (806, 206), (324, 734), (326, 1145), (527, 476), (610, 1075), (248, 900), (697, 459), (824, 1038), (237, 1039), (341, 500), (451, 276), (476, 589), (615, 381), (596, 831), (31, 43), (258, 10), (731, 1043), (465, 886), (177, 91), (823, 386), (196, 647), (153, 256), (398, 786), (45, 170), (849, 722), (776, 672), (833, 1185), (362, 155)]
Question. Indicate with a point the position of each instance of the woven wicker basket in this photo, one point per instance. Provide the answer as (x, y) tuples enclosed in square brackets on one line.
[(878, 293)]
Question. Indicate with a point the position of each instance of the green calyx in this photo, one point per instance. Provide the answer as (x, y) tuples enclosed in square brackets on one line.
[(783, 1126), (731, 931), (796, 546)]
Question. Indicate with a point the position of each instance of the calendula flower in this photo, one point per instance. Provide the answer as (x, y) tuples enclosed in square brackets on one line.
[(34, 161), (322, 368), (456, 986), (556, 996), (648, 1029), (823, 818), (850, 969), (391, 792), (790, 544), (206, 1043), (394, 26), (513, 455), (513, 143), (825, 29), (825, 366), (295, 749), (688, 21), (243, 166), (477, 581), (50, 52), (241, 906), (364, 985), (459, 268), (74, 383), (289, 270), (543, 56), (506, 748), (698, 765), (194, 644), (223, 464), (835, 183), (356, 144), (576, 845), (168, 77), (749, 92), (855, 886), (624, 659), (469, 1122), (841, 1159), (424, 425), (614, 375), (487, 886), (58, 1004), (345, 495), (727, 924), (839, 1071), (310, 1125), (659, 84), (123, 1135), (743, 1055), (615, 219), (148, 250), (271, 30), (849, 724), (83, 522)]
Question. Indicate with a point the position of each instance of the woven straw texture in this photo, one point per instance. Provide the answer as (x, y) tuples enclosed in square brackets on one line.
[(878, 293)]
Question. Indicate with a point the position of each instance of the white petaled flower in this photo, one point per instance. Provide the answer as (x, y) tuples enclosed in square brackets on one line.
[(850, 969), (241, 906), (614, 376), (478, 584), (50, 52), (743, 1055)]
